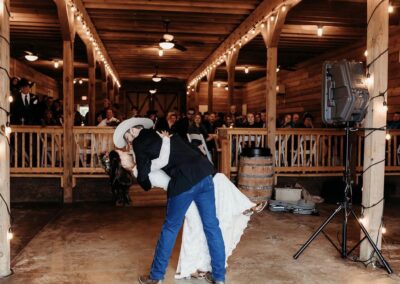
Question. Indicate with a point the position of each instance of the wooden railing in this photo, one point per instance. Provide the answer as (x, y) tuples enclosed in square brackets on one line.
[(306, 151), (38, 150)]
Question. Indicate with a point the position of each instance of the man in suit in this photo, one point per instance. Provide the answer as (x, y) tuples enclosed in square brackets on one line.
[(24, 108), (191, 180)]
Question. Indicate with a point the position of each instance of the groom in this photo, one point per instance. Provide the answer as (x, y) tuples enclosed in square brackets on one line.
[(191, 180)]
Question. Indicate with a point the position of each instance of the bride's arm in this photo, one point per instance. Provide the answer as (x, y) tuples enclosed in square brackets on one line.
[(163, 158)]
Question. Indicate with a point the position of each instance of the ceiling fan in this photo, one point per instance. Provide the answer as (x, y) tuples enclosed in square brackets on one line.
[(167, 41)]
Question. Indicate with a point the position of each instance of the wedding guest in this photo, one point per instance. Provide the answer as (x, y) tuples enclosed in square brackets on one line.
[(110, 120)]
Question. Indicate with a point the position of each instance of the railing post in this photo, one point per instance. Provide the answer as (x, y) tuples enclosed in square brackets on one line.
[(225, 158)]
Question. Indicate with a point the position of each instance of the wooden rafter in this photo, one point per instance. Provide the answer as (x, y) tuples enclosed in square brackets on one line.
[(246, 31)]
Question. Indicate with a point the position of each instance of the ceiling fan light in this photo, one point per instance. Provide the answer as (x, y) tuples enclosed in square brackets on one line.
[(156, 78), (153, 91), (31, 57), (166, 44)]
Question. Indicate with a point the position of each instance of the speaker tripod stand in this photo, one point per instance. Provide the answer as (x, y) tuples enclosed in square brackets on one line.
[(347, 208)]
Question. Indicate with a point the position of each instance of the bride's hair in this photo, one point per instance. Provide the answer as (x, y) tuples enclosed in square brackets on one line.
[(120, 179)]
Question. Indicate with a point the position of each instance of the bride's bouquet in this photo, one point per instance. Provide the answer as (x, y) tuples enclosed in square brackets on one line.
[(105, 161)]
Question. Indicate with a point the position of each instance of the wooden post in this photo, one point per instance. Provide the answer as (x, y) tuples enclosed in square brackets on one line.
[(68, 100), (91, 85), (272, 59), (374, 145), (104, 93), (271, 33), (210, 88), (110, 90), (196, 92), (116, 92), (4, 148), (230, 66), (66, 19)]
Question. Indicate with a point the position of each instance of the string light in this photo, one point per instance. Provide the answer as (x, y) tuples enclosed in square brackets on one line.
[(390, 8), (10, 99), (366, 53), (226, 88), (385, 106), (160, 52), (383, 229), (388, 136), (246, 70), (79, 17), (277, 69), (56, 64), (219, 84), (10, 235), (8, 129), (253, 30), (320, 31)]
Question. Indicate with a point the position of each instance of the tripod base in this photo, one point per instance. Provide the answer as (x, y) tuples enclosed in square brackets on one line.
[(343, 250)]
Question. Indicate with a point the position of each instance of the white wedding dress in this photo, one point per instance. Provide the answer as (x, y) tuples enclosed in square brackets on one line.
[(230, 205)]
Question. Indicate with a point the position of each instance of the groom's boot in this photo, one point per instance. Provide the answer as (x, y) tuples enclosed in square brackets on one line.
[(210, 279), (147, 280)]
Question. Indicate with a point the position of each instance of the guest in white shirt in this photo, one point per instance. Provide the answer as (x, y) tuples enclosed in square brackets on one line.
[(110, 120)]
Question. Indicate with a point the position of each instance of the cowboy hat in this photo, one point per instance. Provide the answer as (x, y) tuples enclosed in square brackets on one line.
[(124, 126), (25, 82)]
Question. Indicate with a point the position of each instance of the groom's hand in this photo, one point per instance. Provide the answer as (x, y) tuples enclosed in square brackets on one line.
[(164, 134)]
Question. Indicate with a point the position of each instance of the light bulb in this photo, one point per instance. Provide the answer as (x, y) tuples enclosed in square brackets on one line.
[(219, 85), (366, 53), (226, 88), (10, 99), (73, 9), (246, 70), (31, 57), (253, 31), (283, 8), (388, 136), (84, 98), (320, 31), (390, 8), (56, 64), (8, 130), (278, 69), (187, 92), (160, 52), (272, 18), (79, 18), (80, 81), (369, 80), (262, 25), (153, 91), (10, 235), (363, 220), (383, 230), (384, 106), (74, 81)]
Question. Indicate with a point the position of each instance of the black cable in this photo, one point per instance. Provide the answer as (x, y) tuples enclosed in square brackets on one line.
[(381, 94), (8, 74), (8, 208), (376, 58), (373, 205), (373, 12), (370, 166), (6, 111), (6, 39)]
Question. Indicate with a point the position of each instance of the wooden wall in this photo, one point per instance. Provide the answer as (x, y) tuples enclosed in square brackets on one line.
[(303, 86), (220, 102), (44, 85)]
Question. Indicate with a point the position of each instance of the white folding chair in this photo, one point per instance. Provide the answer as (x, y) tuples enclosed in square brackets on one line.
[(308, 154), (203, 146)]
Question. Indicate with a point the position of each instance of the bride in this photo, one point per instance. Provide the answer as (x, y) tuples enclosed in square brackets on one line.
[(233, 210)]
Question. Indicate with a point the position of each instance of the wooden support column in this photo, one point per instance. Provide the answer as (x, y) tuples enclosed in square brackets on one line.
[(270, 107), (230, 67), (116, 92), (4, 147), (110, 90), (66, 19), (91, 85), (104, 93), (271, 33), (68, 100), (195, 91), (374, 145), (210, 88)]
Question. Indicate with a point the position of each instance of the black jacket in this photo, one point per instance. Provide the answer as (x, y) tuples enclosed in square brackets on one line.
[(28, 114), (186, 166)]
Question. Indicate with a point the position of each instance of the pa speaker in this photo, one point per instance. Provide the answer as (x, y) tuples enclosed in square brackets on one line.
[(344, 92)]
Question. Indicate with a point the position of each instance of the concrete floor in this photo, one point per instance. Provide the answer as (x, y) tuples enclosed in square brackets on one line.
[(98, 243)]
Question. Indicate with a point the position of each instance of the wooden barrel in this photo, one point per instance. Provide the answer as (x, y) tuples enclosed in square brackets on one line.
[(256, 176)]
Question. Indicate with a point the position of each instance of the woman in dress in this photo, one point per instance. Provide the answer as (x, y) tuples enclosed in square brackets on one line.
[(233, 211)]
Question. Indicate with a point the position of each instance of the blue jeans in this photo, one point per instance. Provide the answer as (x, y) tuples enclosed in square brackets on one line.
[(203, 195)]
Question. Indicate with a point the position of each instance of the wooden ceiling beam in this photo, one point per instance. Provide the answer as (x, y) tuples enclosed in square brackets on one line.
[(266, 8), (96, 39)]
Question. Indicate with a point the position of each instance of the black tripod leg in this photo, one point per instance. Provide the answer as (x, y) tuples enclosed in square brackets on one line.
[(317, 232), (380, 256)]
